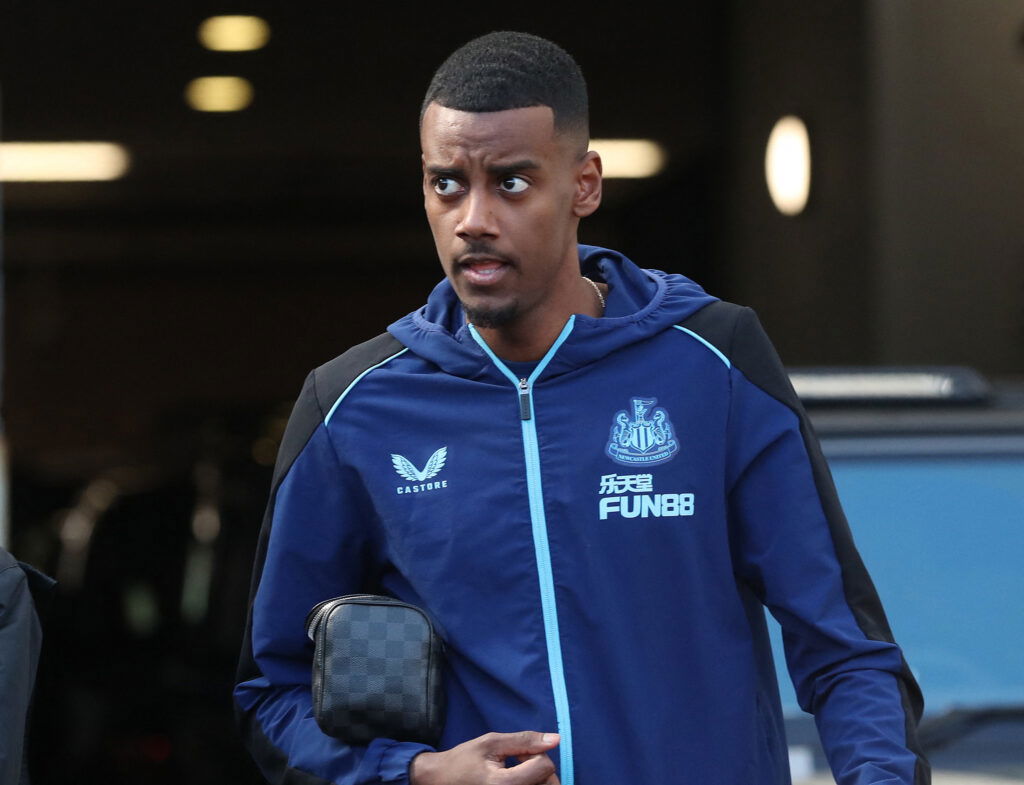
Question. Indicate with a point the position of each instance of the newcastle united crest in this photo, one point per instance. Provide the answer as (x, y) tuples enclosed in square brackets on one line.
[(643, 437)]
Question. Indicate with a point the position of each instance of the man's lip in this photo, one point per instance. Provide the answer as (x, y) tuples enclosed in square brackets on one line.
[(482, 270), (470, 260)]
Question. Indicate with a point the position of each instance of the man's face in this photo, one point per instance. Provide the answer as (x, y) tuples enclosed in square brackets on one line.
[(503, 199)]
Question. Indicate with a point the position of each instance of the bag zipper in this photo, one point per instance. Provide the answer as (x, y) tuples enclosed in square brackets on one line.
[(321, 609)]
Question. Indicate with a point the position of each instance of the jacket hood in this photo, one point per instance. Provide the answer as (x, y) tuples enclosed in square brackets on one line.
[(640, 303)]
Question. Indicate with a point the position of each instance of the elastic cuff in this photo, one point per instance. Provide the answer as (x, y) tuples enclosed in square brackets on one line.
[(395, 760)]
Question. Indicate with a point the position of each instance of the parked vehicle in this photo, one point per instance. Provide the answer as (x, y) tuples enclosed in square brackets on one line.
[(931, 476)]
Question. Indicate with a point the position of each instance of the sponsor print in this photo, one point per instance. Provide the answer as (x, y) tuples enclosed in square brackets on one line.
[(641, 501), (407, 470)]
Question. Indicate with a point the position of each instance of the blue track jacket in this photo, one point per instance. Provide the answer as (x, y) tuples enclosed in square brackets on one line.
[(595, 535)]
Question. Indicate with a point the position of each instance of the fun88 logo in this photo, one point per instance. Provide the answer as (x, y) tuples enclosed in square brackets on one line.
[(638, 504)]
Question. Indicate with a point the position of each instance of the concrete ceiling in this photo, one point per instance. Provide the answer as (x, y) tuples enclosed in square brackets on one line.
[(327, 153)]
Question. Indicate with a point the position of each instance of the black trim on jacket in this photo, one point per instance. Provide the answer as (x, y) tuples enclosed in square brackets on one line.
[(754, 355), (321, 388)]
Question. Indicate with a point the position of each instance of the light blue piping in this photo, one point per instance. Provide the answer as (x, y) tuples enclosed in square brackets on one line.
[(540, 366), (494, 358), (355, 381), (542, 550), (721, 356)]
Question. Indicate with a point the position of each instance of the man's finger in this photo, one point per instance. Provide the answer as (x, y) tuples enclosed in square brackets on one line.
[(524, 758), (536, 770), (527, 742)]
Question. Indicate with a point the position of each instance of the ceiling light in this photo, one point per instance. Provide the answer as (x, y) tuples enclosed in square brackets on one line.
[(629, 157), (234, 33), (787, 165), (62, 161), (219, 93)]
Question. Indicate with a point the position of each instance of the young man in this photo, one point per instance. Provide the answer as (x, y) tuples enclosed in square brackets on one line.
[(617, 476)]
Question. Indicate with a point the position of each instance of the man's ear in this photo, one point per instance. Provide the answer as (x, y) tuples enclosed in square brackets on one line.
[(588, 185)]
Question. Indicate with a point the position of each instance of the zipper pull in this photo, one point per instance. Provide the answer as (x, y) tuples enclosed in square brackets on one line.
[(524, 400)]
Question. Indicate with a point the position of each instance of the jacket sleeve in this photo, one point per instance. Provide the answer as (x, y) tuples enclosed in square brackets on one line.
[(314, 545), (19, 649), (793, 546)]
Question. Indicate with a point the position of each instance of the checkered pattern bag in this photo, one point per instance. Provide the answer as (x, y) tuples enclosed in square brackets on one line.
[(376, 670)]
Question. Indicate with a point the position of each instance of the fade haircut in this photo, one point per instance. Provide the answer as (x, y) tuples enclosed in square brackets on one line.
[(510, 70)]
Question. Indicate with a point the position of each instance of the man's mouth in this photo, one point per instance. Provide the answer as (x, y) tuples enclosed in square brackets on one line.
[(482, 270)]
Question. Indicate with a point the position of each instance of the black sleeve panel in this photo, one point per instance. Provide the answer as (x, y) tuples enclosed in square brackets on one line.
[(334, 377), (19, 654), (321, 388), (737, 332)]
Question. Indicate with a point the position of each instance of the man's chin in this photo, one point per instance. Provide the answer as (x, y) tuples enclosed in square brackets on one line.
[(492, 317)]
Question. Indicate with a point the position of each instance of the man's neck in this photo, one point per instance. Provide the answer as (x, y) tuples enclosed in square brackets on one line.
[(522, 345), (530, 338)]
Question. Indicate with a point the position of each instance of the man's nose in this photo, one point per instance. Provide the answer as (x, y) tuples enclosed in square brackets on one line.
[(478, 218)]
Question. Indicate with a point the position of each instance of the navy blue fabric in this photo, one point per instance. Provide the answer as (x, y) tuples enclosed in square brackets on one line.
[(20, 643), (666, 660)]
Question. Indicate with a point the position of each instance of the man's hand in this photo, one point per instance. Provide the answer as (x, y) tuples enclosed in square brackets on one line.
[(481, 761)]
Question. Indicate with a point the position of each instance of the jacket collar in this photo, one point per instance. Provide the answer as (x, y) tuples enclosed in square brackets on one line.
[(640, 303)]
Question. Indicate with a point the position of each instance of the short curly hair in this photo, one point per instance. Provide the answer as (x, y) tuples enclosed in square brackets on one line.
[(510, 70)]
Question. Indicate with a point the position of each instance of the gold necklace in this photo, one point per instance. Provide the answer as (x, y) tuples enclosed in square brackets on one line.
[(597, 291)]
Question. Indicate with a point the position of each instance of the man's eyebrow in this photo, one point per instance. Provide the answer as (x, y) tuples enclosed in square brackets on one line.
[(511, 168), (444, 171), (495, 169)]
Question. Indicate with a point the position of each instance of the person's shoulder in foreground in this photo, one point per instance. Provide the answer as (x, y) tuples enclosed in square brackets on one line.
[(592, 476), (20, 639)]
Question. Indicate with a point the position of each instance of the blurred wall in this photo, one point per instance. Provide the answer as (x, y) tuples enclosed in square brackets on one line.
[(911, 249), (948, 161), (808, 276)]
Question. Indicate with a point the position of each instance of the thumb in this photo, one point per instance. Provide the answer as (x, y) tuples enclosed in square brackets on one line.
[(525, 742)]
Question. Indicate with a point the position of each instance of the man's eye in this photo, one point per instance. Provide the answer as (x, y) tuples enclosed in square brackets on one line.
[(446, 186), (514, 185)]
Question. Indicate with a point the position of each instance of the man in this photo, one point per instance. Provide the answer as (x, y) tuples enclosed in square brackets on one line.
[(616, 477)]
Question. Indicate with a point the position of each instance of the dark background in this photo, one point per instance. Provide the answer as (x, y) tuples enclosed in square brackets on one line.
[(156, 327)]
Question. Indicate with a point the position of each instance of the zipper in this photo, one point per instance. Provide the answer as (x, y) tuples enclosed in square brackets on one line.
[(542, 551), (321, 609), (525, 408), (549, 608)]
